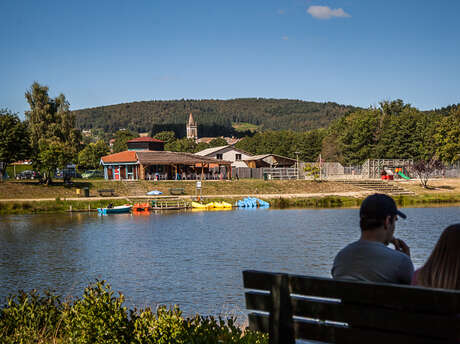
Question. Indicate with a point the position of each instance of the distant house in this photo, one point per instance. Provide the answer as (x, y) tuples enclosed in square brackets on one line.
[(269, 160), (111, 142), (146, 159), (228, 153)]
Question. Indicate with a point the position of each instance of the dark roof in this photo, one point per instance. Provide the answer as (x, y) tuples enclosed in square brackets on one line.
[(144, 139), (165, 157)]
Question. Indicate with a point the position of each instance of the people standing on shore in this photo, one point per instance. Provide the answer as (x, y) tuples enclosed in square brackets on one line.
[(442, 269), (369, 258)]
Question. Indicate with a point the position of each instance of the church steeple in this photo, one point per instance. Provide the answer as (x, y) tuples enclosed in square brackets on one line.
[(191, 121), (192, 128)]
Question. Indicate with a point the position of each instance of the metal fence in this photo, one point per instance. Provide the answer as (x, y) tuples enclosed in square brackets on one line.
[(329, 170), (264, 173)]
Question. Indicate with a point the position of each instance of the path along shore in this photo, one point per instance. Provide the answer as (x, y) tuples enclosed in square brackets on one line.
[(356, 194)]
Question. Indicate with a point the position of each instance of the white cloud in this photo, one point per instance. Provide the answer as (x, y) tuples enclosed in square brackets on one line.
[(285, 38), (325, 12)]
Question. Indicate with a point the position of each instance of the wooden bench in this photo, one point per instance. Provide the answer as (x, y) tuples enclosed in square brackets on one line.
[(106, 192), (332, 311), (177, 191)]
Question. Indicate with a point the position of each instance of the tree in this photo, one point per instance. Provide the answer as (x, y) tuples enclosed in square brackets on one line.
[(121, 137), (424, 169), (90, 156), (14, 143), (54, 139), (165, 136), (447, 137), (312, 170), (182, 145), (217, 142)]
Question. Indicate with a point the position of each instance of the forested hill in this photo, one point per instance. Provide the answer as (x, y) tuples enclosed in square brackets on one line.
[(217, 116)]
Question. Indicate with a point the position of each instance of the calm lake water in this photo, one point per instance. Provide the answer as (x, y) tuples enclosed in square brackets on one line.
[(193, 259)]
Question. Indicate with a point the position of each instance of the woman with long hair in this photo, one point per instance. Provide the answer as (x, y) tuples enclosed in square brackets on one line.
[(442, 269)]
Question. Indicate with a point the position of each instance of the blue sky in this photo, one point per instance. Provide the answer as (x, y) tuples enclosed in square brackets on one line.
[(348, 51)]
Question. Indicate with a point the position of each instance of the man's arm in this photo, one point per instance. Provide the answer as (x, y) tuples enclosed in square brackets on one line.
[(406, 270)]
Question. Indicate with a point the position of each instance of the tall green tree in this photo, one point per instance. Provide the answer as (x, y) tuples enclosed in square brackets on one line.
[(121, 137), (90, 156), (217, 142), (54, 139), (165, 136), (14, 142), (309, 144), (447, 137)]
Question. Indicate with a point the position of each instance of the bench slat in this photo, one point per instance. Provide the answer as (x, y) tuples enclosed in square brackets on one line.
[(258, 301), (390, 295), (253, 279), (378, 318), (259, 322), (336, 334)]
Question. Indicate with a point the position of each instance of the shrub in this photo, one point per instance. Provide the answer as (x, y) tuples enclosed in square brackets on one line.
[(99, 317), (30, 318)]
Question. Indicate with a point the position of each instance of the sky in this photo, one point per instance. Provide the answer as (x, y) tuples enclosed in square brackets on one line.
[(347, 51)]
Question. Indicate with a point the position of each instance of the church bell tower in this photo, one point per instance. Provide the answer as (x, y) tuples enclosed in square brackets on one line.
[(192, 128)]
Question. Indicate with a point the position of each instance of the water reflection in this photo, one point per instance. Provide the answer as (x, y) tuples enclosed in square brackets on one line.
[(194, 259)]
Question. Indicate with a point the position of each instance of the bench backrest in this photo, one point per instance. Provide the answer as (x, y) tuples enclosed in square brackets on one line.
[(322, 309)]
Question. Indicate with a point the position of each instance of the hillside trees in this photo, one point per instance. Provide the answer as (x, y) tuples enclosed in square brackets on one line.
[(54, 140), (214, 117), (14, 142)]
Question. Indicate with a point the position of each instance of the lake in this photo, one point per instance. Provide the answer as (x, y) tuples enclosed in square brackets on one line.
[(193, 259)]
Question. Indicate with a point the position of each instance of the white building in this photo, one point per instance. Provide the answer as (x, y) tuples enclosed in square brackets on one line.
[(227, 153)]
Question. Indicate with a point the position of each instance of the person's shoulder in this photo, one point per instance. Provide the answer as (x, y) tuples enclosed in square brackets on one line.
[(350, 246)]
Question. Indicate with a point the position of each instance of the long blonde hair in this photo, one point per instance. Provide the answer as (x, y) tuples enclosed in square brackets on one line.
[(442, 269)]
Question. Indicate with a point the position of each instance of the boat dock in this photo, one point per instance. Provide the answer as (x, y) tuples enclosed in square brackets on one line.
[(169, 204)]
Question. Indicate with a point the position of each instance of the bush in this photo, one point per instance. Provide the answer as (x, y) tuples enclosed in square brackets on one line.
[(99, 317), (29, 317)]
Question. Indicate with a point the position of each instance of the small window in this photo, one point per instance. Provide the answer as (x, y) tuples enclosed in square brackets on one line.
[(219, 156), (238, 157)]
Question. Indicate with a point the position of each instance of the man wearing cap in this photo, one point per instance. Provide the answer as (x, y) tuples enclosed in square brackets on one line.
[(369, 258)]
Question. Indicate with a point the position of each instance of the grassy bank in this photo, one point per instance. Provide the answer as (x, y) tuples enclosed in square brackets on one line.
[(30, 189), (100, 317), (59, 206)]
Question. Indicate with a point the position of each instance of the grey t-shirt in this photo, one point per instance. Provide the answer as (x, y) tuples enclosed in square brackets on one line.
[(372, 261)]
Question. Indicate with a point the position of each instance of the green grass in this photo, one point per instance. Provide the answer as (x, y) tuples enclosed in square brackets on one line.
[(60, 206), (57, 206), (243, 126)]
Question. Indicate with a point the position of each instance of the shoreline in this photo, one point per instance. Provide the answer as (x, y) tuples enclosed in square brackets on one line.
[(277, 201)]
